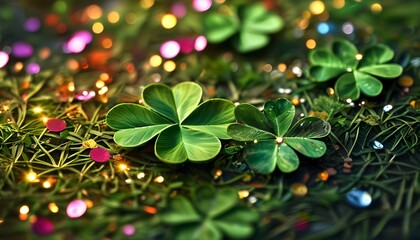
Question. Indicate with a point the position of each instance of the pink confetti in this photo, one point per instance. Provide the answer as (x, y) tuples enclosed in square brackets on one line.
[(76, 208), (200, 43), (202, 5), (56, 125), (99, 154), (4, 59), (42, 226), (170, 49)]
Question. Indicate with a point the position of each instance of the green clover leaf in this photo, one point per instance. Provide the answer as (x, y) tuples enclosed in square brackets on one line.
[(210, 215), (184, 129), (274, 142), (251, 24), (356, 72)]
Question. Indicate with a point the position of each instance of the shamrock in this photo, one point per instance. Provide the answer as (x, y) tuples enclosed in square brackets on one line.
[(357, 72), (251, 23), (211, 215), (184, 129), (272, 140)]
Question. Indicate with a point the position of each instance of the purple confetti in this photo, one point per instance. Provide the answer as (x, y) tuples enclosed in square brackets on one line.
[(42, 226), (22, 50), (32, 24)]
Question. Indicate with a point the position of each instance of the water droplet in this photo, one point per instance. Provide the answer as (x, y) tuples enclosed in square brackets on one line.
[(377, 145), (359, 198)]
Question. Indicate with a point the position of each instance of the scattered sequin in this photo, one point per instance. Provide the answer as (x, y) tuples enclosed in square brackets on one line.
[(76, 208), (55, 125), (359, 198), (388, 108), (377, 145), (99, 154)]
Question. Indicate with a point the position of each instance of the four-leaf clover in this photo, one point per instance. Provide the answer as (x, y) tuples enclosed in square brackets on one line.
[(184, 129), (210, 216), (252, 23), (272, 142), (357, 72)]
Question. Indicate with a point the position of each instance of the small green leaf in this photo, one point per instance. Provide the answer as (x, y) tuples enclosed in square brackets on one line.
[(250, 115), (247, 133), (377, 54), (236, 223), (280, 114), (128, 115), (346, 52), (257, 19), (219, 27), (160, 98), (369, 85), (346, 87), (200, 146), (383, 70), (287, 160), (133, 137), (248, 41), (187, 95), (179, 211), (169, 146), (310, 127), (214, 203), (321, 74), (306, 146), (262, 156), (325, 58)]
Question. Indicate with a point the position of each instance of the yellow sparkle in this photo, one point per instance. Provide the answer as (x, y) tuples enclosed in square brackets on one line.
[(317, 7), (107, 43), (31, 177), (330, 91), (155, 61), (24, 209), (359, 56), (282, 67), (103, 90), (243, 194), (46, 184), (71, 87), (295, 101), (147, 3), (159, 179), (94, 11), (104, 76), (44, 119), (339, 3), (113, 17), (1, 220), (100, 84), (218, 173), (18, 66), (169, 66), (141, 175), (53, 207), (123, 166), (37, 109), (376, 8), (97, 27), (310, 43), (89, 203), (168, 21)]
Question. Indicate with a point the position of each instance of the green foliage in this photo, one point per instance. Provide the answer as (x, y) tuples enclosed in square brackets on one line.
[(355, 75), (211, 215), (251, 24), (184, 129), (273, 140)]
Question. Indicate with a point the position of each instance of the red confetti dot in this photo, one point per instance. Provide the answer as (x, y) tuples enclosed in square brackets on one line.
[(56, 125), (99, 154), (42, 226)]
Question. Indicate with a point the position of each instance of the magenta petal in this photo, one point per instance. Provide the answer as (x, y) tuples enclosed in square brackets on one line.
[(76, 208), (42, 226), (56, 125), (99, 154)]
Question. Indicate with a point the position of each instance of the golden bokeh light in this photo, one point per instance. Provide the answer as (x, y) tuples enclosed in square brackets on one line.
[(168, 21), (97, 27), (317, 7), (113, 17), (310, 43)]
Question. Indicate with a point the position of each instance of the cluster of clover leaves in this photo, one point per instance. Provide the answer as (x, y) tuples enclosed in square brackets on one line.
[(210, 214), (272, 140), (186, 130), (356, 72), (249, 26)]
